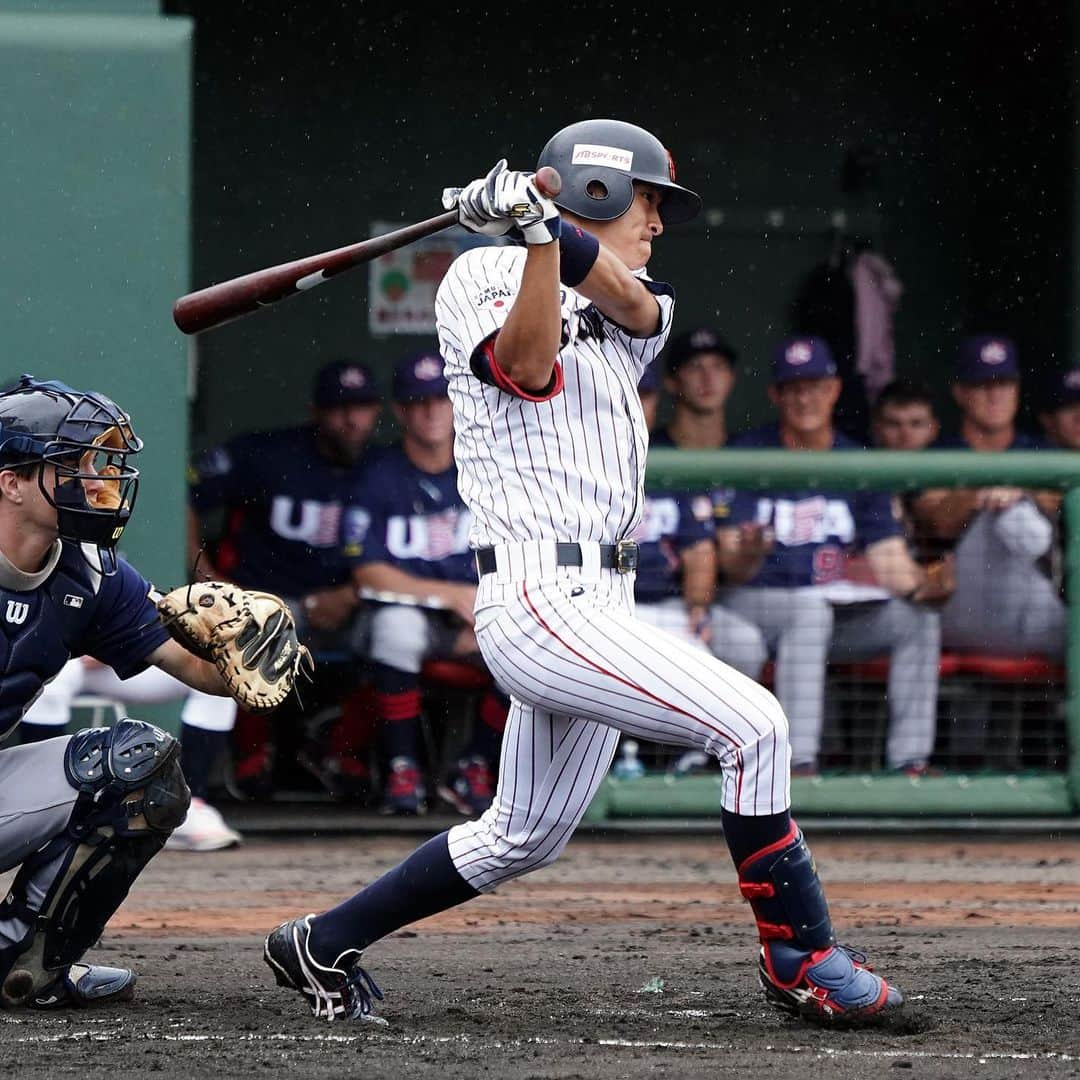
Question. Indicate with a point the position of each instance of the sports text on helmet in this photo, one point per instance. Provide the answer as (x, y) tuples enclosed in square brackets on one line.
[(599, 160)]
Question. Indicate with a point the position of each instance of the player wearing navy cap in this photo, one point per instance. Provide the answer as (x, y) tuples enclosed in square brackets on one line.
[(281, 496), (410, 536), (1059, 408), (1005, 599), (786, 578)]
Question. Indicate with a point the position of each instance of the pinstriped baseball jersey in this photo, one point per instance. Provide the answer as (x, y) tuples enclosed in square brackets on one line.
[(567, 465)]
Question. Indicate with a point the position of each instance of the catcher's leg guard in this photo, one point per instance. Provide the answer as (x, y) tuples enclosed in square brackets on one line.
[(132, 795), (802, 969)]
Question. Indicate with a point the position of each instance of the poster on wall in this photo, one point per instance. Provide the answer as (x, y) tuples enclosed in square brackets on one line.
[(402, 283)]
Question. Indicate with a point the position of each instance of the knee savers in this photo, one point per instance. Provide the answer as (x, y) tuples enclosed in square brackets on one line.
[(132, 794), (129, 777)]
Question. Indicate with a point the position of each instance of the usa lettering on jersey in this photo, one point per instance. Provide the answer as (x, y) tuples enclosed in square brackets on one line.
[(807, 521), (431, 537), (313, 523)]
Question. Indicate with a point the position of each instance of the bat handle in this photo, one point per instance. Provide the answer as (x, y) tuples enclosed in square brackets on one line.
[(548, 181)]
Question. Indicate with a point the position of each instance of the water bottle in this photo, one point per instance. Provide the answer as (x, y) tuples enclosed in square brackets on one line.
[(628, 766)]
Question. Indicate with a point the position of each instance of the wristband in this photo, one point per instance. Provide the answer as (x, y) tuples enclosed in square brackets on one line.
[(578, 250)]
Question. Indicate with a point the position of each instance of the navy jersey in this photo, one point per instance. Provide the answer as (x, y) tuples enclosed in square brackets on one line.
[(815, 530), (670, 523), (412, 519), (283, 502), (74, 612), (1022, 440)]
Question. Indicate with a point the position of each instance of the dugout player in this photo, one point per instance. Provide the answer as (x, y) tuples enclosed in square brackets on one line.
[(410, 536), (281, 495), (544, 345), (1005, 600), (783, 587), (80, 815)]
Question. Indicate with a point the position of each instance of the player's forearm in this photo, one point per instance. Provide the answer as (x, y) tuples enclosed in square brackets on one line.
[(197, 673), (387, 578), (699, 574), (528, 343), (620, 295), (945, 513), (893, 568)]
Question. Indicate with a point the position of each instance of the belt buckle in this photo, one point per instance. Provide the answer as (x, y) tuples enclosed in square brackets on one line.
[(626, 556)]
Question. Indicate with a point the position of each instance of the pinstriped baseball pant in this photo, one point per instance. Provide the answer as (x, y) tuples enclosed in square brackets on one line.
[(580, 669)]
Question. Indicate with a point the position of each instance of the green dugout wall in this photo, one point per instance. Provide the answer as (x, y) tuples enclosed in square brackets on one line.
[(95, 145), (95, 132)]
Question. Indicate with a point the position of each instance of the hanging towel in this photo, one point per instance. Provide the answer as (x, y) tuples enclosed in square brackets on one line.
[(877, 295)]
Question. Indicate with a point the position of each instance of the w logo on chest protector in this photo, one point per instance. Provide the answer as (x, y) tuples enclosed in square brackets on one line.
[(16, 612)]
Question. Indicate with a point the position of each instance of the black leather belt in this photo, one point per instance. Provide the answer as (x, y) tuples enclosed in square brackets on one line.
[(621, 557)]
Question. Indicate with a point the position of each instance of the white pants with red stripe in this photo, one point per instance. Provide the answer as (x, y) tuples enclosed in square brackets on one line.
[(580, 669)]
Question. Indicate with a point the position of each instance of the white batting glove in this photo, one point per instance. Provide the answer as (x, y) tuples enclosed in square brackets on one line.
[(506, 200), (474, 206)]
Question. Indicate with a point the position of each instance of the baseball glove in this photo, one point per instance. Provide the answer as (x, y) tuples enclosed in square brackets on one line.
[(249, 636)]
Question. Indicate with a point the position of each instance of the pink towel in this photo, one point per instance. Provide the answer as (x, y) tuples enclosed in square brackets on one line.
[(877, 295)]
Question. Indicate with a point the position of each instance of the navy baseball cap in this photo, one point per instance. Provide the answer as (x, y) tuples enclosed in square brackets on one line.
[(986, 358), (649, 383), (344, 382), (420, 376), (1060, 388), (687, 345), (802, 358)]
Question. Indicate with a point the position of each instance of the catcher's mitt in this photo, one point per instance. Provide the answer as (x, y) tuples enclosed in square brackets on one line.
[(249, 636)]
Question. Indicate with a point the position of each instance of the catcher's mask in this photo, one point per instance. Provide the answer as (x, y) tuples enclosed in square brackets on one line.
[(87, 439)]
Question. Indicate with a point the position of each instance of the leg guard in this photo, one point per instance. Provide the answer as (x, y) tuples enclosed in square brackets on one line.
[(802, 969), (132, 795), (785, 894)]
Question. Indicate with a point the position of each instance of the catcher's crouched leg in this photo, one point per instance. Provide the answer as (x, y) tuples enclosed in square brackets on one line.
[(132, 794)]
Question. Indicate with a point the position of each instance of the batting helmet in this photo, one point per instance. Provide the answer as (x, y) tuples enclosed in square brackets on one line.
[(599, 160)]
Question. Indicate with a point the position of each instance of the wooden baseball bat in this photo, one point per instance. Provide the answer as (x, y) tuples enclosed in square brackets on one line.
[(228, 300)]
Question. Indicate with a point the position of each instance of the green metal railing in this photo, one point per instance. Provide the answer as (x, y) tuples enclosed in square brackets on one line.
[(1036, 794)]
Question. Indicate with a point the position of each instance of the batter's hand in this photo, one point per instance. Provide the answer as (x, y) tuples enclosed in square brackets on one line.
[(475, 204), (505, 200)]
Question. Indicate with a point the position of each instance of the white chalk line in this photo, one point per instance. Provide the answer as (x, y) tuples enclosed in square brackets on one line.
[(484, 1043)]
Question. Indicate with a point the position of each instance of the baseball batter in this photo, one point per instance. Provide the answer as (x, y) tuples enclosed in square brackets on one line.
[(544, 343)]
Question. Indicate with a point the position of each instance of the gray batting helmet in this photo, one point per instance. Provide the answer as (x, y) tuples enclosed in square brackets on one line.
[(599, 160)]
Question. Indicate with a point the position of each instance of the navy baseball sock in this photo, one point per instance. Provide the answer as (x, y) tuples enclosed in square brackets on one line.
[(29, 733), (424, 883), (747, 835), (199, 750), (397, 705)]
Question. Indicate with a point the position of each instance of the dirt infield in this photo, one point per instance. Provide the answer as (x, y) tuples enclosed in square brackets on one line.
[(632, 957)]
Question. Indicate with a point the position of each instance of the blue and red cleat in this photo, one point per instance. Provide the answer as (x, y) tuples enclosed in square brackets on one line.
[(833, 985)]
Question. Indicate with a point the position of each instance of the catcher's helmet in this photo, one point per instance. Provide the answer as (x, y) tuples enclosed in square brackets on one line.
[(86, 437), (599, 160)]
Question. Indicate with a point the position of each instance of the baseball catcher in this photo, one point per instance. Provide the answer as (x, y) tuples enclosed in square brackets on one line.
[(82, 815)]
